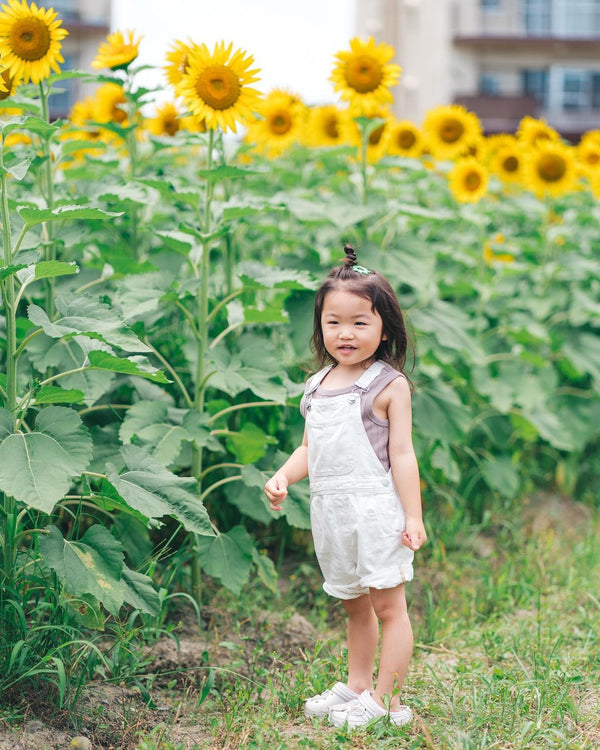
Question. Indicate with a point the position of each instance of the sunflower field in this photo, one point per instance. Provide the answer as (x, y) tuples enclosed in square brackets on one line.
[(157, 276)]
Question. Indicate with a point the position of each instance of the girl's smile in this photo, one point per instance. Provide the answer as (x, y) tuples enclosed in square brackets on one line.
[(352, 329)]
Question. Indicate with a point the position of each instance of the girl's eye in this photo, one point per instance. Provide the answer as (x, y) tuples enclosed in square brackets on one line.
[(360, 323)]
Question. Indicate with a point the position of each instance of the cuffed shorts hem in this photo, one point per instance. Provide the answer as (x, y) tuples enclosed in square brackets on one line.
[(385, 579)]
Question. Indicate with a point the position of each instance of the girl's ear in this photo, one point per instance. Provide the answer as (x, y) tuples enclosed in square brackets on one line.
[(384, 337)]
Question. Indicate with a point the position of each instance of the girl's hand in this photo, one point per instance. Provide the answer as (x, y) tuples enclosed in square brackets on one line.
[(276, 491), (414, 536)]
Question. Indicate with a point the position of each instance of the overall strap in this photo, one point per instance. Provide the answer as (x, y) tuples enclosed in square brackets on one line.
[(369, 376), (315, 380)]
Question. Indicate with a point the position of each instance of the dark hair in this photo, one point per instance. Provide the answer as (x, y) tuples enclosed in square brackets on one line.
[(371, 285)]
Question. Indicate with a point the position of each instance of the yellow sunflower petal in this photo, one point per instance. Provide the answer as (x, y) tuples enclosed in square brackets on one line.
[(468, 180), (30, 41), (363, 75), (551, 169), (403, 138), (167, 120), (215, 86), (280, 122), (117, 52), (450, 130)]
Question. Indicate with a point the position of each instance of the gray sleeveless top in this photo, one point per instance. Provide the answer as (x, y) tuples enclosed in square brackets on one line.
[(378, 430)]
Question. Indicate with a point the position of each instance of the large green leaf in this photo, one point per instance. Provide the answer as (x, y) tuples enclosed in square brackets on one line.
[(154, 491), (38, 467), (92, 565), (33, 216), (228, 557), (439, 413), (139, 592), (248, 495), (89, 317), (148, 423), (256, 275), (127, 365)]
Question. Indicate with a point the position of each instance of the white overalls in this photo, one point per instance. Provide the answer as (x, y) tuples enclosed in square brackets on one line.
[(356, 515)]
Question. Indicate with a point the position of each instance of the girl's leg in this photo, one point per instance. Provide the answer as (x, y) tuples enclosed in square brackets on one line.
[(396, 643), (363, 637)]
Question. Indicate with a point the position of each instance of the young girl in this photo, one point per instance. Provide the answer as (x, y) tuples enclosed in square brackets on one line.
[(365, 508)]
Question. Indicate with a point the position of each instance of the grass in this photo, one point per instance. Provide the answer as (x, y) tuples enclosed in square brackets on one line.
[(506, 656)]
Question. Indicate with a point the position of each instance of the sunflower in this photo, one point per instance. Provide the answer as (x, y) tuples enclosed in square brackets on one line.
[(193, 124), (376, 140), (363, 75), (109, 104), (507, 160), (177, 61), (280, 123), (588, 155), (535, 132), (30, 41), (328, 125), (551, 169), (117, 52), (490, 256), (215, 87), (450, 130), (403, 138), (468, 180), (167, 120)]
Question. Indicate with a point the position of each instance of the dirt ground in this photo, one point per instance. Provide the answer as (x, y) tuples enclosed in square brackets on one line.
[(111, 716)]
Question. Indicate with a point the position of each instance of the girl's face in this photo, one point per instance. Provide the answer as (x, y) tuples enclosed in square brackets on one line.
[(352, 330)]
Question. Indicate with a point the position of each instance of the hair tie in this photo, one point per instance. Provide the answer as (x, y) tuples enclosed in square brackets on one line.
[(361, 269)]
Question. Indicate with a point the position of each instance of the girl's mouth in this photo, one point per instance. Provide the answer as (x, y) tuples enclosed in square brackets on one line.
[(346, 348)]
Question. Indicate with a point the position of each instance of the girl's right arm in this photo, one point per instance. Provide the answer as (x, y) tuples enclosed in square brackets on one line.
[(293, 470)]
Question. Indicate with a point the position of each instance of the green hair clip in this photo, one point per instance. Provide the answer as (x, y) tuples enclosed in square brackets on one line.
[(361, 269)]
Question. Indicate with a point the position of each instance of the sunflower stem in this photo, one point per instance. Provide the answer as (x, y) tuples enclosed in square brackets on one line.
[(48, 191), (202, 341)]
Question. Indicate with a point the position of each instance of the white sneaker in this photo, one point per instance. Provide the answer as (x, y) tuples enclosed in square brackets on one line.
[(320, 704), (362, 710)]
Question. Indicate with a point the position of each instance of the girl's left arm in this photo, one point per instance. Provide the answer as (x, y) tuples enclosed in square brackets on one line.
[(403, 461)]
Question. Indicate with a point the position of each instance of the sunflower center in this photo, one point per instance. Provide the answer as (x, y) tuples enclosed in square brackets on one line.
[(218, 86), (406, 139), (29, 39), (472, 181), (510, 164), (451, 130), (330, 126), (363, 74), (551, 167), (171, 125), (280, 123), (592, 158)]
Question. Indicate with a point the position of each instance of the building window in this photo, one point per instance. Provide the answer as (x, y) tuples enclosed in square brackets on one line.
[(580, 90), (535, 83), (537, 17), (577, 18), (490, 4), (66, 9), (489, 85)]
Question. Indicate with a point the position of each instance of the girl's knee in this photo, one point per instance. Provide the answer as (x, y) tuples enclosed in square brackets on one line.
[(389, 603)]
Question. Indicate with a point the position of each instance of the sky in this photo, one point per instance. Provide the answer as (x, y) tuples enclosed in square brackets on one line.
[(293, 42)]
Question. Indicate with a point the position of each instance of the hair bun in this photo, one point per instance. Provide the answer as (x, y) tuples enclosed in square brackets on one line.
[(350, 259)]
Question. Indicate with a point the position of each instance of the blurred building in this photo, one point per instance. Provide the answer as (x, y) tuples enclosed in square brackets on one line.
[(502, 59), (88, 23)]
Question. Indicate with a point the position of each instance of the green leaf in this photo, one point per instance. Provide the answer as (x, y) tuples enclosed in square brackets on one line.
[(47, 269), (30, 124), (126, 365), (6, 271), (439, 413), (296, 507), (228, 557), (248, 496), (255, 275), (266, 570), (50, 394), (223, 172), (149, 423), (249, 444), (38, 467), (17, 168), (93, 565), (33, 216), (501, 475), (89, 317), (139, 592), (154, 491)]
